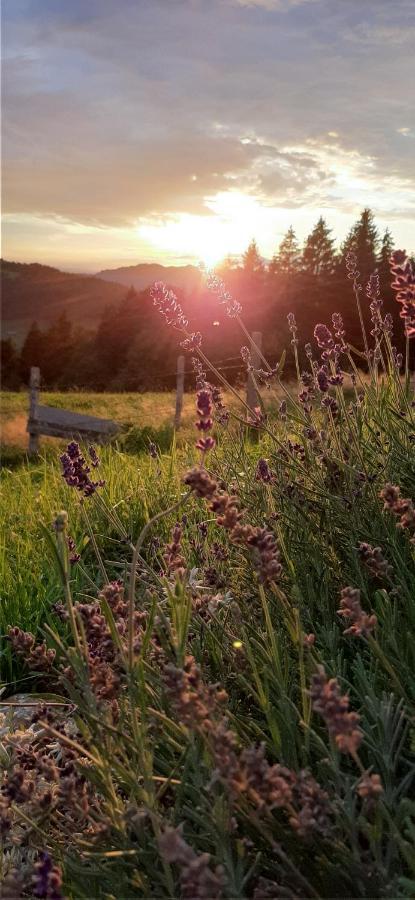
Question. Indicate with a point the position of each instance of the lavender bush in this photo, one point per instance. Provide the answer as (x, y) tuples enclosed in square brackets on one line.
[(233, 715)]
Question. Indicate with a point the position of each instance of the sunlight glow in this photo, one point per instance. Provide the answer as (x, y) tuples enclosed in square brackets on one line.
[(232, 221)]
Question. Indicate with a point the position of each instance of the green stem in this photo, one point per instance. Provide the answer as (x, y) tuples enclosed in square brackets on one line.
[(133, 569)]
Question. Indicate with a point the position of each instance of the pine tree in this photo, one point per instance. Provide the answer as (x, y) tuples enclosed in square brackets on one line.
[(386, 249), (363, 239), (286, 261), (58, 349), (9, 365), (252, 262), (318, 258), (32, 351), (116, 332)]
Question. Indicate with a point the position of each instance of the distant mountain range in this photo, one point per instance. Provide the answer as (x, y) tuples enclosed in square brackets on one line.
[(33, 292), (144, 274)]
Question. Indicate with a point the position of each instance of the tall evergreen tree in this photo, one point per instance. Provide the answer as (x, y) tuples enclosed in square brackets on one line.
[(32, 352), (319, 258), (385, 252), (116, 332), (252, 262), (287, 259), (9, 368), (363, 239), (250, 283), (58, 349)]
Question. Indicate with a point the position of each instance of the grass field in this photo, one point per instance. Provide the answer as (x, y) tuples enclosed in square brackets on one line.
[(149, 409), (236, 647)]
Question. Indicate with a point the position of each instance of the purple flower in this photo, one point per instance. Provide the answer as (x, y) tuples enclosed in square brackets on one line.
[(330, 403), (222, 414), (292, 326), (201, 380), (74, 557), (204, 422), (193, 342), (217, 286), (204, 403), (404, 285), (168, 305), (95, 460), (263, 471), (388, 324), (352, 271), (47, 881), (322, 380), (338, 326), (75, 469), (336, 379), (205, 444), (323, 337), (246, 356)]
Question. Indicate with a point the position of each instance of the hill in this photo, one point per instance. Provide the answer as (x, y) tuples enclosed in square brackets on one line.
[(141, 276), (31, 291)]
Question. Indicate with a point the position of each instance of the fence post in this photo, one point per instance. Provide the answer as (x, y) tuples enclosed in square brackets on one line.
[(33, 401), (251, 393), (179, 391)]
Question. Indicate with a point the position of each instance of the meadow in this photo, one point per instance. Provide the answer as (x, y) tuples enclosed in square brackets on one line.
[(218, 640), (147, 410)]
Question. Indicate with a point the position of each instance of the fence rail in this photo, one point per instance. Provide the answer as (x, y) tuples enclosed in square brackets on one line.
[(49, 420)]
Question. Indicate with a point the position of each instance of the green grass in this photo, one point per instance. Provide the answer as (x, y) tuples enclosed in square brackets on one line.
[(159, 750), (155, 409)]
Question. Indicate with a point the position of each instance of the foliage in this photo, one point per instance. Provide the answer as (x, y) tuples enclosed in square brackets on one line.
[(126, 348), (230, 651)]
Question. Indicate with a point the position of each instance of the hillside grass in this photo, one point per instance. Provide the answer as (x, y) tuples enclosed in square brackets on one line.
[(151, 408), (229, 733)]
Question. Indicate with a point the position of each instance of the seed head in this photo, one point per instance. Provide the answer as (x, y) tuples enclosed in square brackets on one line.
[(217, 286), (370, 787), (328, 701), (168, 305), (199, 481), (402, 508), (361, 624), (404, 285), (375, 562)]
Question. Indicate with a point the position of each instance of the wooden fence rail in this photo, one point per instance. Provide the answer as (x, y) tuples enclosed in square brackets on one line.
[(50, 420)]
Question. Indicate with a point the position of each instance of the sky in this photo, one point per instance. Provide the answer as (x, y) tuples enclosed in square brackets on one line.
[(177, 130)]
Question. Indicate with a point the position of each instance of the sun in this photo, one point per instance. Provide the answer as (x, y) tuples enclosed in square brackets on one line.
[(230, 221)]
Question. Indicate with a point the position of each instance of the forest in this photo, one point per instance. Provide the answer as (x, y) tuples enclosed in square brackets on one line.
[(129, 350)]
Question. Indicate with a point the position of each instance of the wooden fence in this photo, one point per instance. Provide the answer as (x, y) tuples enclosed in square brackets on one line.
[(50, 420)]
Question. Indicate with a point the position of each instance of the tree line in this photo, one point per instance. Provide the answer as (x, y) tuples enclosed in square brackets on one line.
[(132, 349)]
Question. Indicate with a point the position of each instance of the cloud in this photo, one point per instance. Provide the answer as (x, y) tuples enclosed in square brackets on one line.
[(115, 112), (272, 5)]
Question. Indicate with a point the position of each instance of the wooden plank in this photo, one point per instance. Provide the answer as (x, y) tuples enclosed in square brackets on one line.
[(63, 423), (65, 419), (33, 401), (67, 433)]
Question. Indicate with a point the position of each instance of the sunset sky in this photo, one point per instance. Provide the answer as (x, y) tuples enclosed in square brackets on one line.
[(177, 130)]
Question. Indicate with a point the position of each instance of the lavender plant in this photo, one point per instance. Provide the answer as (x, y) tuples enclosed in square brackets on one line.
[(224, 705)]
